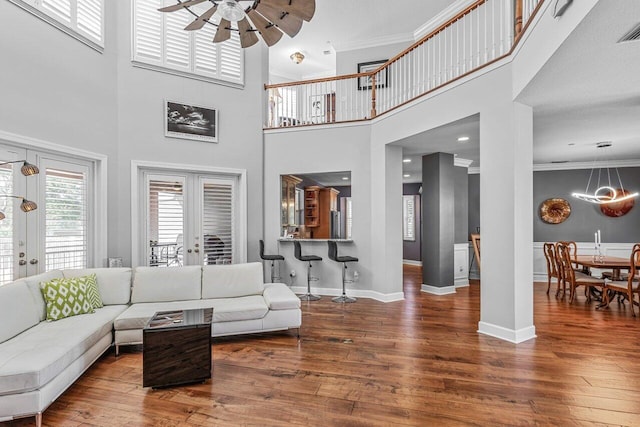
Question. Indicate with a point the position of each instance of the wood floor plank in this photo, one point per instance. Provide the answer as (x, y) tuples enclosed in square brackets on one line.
[(415, 362)]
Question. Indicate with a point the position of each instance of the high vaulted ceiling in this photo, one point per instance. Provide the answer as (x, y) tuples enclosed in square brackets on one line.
[(343, 24)]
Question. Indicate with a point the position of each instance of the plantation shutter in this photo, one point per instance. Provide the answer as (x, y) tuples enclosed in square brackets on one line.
[(218, 221), (60, 9), (177, 40), (160, 40), (206, 53), (231, 59), (66, 220), (147, 31), (90, 18)]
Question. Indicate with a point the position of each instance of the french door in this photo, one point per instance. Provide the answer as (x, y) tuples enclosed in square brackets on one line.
[(189, 219), (58, 233)]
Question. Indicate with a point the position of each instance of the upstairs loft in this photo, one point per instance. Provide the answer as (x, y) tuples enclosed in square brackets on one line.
[(481, 34)]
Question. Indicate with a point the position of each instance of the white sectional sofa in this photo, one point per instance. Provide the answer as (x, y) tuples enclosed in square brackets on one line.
[(39, 359)]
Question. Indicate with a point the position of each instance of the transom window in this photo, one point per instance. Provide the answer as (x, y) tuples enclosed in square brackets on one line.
[(83, 19), (160, 42)]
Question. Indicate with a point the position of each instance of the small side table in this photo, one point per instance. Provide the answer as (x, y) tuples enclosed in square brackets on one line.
[(176, 348)]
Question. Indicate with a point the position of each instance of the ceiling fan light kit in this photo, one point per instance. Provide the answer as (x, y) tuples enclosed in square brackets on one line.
[(269, 18)]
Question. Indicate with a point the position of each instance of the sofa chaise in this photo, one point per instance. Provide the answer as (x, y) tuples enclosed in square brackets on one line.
[(40, 359)]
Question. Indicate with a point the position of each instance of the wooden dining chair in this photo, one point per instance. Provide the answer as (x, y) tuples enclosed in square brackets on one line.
[(576, 278), (623, 276), (552, 266), (628, 287)]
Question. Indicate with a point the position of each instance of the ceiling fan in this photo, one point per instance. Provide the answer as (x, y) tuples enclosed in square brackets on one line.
[(269, 18)]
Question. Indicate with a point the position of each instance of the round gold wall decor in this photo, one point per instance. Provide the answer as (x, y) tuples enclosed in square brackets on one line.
[(555, 211), (617, 209)]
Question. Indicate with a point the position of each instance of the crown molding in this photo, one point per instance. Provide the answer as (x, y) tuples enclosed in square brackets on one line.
[(586, 165), (463, 163), (541, 167), (374, 42)]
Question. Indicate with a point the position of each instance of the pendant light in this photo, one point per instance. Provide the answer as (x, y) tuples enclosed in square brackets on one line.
[(604, 191)]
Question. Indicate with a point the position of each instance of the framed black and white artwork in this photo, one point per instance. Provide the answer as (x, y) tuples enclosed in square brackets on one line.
[(382, 78), (317, 107), (191, 122)]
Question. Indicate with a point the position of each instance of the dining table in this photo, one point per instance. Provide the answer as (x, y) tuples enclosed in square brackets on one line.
[(613, 263)]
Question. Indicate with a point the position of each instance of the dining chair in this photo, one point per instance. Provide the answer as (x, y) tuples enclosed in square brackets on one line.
[(623, 276), (552, 265), (627, 287), (576, 278)]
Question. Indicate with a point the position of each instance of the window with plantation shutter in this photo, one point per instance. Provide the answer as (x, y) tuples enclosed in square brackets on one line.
[(161, 43), (217, 221), (66, 221), (83, 19)]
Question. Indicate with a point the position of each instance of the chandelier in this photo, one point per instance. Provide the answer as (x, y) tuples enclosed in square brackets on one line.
[(604, 191)]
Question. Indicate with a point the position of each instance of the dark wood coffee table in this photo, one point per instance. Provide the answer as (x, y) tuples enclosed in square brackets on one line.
[(176, 348)]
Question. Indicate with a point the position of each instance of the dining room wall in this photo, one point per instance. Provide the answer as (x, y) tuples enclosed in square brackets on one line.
[(585, 218)]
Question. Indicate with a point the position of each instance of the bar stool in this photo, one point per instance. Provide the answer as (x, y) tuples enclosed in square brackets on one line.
[(333, 255), (272, 258), (297, 252)]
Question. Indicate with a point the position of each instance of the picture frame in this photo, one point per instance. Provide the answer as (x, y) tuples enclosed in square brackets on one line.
[(115, 262), (317, 107), (364, 83), (185, 121)]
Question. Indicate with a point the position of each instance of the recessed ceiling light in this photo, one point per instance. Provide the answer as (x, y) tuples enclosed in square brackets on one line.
[(463, 139), (345, 178), (406, 160), (406, 175)]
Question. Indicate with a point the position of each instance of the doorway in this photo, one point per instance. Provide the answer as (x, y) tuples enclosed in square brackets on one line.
[(190, 218)]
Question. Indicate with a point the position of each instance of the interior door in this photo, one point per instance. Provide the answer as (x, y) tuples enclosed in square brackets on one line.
[(189, 219)]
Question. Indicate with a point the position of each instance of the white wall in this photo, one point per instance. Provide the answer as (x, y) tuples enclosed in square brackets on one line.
[(57, 89), (312, 150)]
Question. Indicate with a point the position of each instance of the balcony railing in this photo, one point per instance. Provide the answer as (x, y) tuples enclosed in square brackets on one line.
[(483, 33)]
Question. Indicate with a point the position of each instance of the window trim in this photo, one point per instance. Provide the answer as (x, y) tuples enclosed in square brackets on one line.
[(137, 189), (93, 44), (167, 69)]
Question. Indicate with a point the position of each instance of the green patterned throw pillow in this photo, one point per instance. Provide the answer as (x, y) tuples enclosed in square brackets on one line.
[(93, 293), (65, 298)]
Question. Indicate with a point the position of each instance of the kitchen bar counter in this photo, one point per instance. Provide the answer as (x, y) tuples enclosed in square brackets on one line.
[(282, 239)]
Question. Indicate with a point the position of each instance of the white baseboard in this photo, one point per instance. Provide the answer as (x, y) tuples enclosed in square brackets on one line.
[(412, 262), (356, 293), (461, 283), (511, 335), (435, 290)]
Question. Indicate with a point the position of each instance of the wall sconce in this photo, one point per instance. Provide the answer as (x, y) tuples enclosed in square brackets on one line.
[(27, 169), (297, 57)]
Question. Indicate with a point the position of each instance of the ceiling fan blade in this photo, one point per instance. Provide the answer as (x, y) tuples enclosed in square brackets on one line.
[(224, 31), (182, 5), (247, 36), (201, 20), (269, 32), (304, 9), (286, 22)]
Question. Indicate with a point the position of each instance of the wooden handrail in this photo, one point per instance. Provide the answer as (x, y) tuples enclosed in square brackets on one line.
[(519, 28)]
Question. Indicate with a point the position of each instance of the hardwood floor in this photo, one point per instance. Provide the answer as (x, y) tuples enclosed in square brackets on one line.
[(416, 362)]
